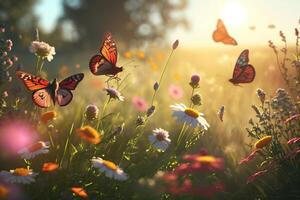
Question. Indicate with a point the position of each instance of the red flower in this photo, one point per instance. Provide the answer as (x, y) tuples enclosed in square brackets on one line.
[(293, 140), (249, 157)]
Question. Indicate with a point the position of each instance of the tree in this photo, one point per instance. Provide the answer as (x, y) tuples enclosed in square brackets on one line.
[(129, 20)]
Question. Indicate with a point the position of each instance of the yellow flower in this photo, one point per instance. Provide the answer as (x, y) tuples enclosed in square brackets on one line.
[(263, 142), (3, 192), (89, 134), (47, 116), (128, 54), (140, 54)]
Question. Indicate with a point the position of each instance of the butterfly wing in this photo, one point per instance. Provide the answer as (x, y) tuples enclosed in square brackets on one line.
[(64, 97), (71, 82), (32, 82), (109, 49), (42, 97), (100, 66), (221, 34)]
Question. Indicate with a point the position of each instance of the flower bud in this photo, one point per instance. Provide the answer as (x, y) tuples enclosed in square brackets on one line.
[(195, 79), (155, 86), (196, 99), (261, 95), (91, 112), (175, 44), (150, 111), (140, 121)]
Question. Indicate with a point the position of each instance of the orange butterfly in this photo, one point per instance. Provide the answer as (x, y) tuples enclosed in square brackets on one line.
[(221, 34), (105, 62), (44, 92)]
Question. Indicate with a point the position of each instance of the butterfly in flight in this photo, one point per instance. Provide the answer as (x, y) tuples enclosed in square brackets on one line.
[(44, 92), (221, 34), (243, 72), (105, 62)]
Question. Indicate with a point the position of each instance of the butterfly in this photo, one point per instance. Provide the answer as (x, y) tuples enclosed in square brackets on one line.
[(221, 113), (104, 63), (243, 72), (44, 92), (221, 34)]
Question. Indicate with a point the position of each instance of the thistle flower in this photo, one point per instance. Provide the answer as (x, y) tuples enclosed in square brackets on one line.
[(160, 139), (196, 99), (264, 141), (114, 94), (42, 49), (49, 167), (109, 168), (261, 95), (47, 116), (91, 112), (89, 134), (189, 116), (79, 191), (19, 175), (195, 79)]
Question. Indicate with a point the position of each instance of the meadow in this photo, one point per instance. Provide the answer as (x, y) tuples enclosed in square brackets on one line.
[(247, 155)]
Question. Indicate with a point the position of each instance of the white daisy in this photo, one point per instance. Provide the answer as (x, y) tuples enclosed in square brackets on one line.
[(42, 49), (160, 139), (19, 175), (34, 150), (189, 115), (110, 169)]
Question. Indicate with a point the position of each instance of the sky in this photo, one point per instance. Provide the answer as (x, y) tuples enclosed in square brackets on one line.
[(238, 16)]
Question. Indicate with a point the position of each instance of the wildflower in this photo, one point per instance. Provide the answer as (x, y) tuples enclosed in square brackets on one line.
[(91, 112), (196, 99), (49, 167), (79, 191), (42, 49), (3, 191), (9, 62), (19, 175), (249, 157), (195, 79), (189, 115), (160, 139), (155, 86), (293, 140), (221, 113), (109, 168), (128, 54), (175, 92), (264, 141), (114, 94), (261, 95), (34, 150), (292, 118), (89, 134), (140, 54), (175, 44), (251, 178), (47, 116), (150, 111), (140, 121), (139, 103), (9, 43), (283, 103)]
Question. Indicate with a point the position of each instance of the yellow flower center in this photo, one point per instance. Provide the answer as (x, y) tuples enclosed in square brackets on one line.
[(110, 165), (21, 172), (206, 159), (36, 147), (263, 142), (192, 112)]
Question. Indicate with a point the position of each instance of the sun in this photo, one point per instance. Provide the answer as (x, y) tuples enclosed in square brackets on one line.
[(233, 13)]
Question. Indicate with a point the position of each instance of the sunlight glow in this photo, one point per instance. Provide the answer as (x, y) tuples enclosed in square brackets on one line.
[(233, 13)]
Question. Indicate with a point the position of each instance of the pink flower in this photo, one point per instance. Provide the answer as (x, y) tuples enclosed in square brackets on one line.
[(139, 103), (175, 92), (251, 178), (249, 157), (293, 140), (291, 118)]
